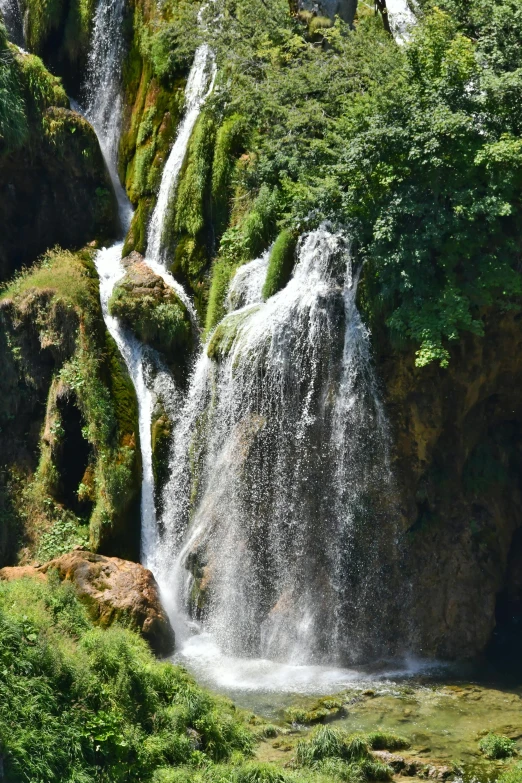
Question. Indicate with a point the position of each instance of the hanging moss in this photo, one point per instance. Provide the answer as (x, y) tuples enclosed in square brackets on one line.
[(281, 263), (230, 141), (194, 179)]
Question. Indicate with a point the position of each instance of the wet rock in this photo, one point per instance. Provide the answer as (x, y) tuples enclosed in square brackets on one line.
[(152, 310), (113, 590)]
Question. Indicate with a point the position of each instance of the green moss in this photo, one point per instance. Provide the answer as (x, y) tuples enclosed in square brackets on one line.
[(221, 342), (222, 272), (230, 141), (42, 18), (385, 740), (161, 432), (136, 238), (161, 322), (190, 264), (281, 263), (258, 227), (195, 178)]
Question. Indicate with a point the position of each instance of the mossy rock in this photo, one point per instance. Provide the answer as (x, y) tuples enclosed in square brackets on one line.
[(69, 430), (224, 336), (280, 263), (74, 202), (153, 311), (161, 432)]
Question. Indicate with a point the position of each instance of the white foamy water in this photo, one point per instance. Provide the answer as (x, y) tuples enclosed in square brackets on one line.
[(199, 85), (247, 284), (235, 676), (273, 533), (401, 18), (12, 15)]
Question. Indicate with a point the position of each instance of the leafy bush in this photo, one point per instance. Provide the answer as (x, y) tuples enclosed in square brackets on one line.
[(497, 746)]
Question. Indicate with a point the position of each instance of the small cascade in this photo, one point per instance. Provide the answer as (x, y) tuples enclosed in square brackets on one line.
[(199, 85), (102, 91), (103, 102), (401, 17), (12, 16), (247, 284), (275, 537)]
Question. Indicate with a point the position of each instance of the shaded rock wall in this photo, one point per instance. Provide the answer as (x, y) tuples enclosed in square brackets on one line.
[(458, 463)]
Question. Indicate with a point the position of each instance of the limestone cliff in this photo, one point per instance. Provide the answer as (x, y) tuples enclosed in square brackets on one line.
[(457, 451), (54, 188), (68, 422)]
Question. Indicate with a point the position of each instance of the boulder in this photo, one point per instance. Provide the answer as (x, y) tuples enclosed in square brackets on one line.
[(113, 590), (150, 308)]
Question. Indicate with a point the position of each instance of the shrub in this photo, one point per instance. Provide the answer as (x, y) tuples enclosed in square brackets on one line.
[(497, 746)]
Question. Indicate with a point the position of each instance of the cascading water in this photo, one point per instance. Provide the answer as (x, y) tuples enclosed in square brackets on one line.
[(102, 90), (199, 85), (274, 532), (12, 16), (401, 18), (102, 93)]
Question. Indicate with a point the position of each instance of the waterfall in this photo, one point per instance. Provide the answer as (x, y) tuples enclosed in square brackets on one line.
[(199, 85), (12, 15), (401, 18), (102, 90), (103, 108), (275, 534)]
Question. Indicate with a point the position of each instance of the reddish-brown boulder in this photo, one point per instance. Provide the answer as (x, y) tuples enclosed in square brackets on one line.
[(113, 590)]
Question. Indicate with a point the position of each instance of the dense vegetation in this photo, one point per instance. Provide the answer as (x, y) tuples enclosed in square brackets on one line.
[(80, 704), (413, 149)]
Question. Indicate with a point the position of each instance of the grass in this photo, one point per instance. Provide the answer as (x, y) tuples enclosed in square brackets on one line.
[(346, 755), (81, 704)]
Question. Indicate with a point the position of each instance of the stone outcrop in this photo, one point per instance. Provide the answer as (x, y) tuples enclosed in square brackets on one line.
[(113, 590), (54, 191), (345, 9), (457, 451), (153, 311)]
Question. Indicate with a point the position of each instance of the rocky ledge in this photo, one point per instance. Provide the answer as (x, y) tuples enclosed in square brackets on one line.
[(152, 310), (113, 590)]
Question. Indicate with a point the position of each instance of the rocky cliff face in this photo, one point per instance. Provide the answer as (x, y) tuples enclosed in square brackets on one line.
[(54, 187), (457, 447), (68, 421)]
